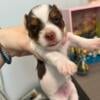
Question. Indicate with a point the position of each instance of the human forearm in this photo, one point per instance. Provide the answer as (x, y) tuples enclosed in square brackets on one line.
[(14, 38), (1, 62)]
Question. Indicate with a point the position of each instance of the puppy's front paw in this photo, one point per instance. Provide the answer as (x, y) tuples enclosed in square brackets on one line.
[(62, 63), (66, 67)]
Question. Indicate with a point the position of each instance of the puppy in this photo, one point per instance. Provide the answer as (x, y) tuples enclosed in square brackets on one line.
[(50, 42)]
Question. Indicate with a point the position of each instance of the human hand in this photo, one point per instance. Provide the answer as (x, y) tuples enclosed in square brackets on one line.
[(15, 40)]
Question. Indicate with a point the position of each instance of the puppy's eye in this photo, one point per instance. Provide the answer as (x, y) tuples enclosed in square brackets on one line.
[(35, 25), (56, 17), (56, 20), (34, 28)]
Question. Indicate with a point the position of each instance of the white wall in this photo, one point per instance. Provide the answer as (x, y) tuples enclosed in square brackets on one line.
[(19, 76), (12, 11)]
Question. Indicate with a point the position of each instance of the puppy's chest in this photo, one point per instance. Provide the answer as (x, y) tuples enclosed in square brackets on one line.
[(41, 68)]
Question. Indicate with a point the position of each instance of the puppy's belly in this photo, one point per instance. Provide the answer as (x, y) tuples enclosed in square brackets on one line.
[(64, 90), (52, 80)]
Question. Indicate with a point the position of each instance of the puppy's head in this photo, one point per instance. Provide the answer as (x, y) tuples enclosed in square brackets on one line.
[(45, 25)]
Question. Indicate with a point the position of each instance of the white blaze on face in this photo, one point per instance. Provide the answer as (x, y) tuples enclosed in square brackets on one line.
[(42, 12)]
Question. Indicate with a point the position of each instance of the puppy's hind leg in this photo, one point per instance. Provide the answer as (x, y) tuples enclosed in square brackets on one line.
[(74, 96), (57, 97), (74, 93)]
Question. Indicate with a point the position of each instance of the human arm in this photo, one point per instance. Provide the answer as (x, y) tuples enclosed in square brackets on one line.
[(16, 39), (1, 62), (14, 42), (6, 55)]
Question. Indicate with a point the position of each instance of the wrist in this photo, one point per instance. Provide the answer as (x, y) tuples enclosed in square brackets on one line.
[(1, 61), (4, 56)]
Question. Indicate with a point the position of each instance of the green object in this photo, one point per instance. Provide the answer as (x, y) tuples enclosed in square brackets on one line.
[(82, 66), (98, 29)]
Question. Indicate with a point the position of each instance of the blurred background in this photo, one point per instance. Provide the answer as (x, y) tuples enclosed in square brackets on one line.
[(20, 76)]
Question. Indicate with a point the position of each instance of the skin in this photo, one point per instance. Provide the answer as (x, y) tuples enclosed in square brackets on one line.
[(1, 63), (15, 42)]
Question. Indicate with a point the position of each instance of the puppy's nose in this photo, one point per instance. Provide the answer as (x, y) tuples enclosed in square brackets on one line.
[(50, 36)]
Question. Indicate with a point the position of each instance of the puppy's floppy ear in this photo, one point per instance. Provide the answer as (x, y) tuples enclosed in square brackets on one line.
[(26, 16), (26, 19), (54, 6)]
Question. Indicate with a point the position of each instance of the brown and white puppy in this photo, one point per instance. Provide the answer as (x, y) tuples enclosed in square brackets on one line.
[(46, 28)]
